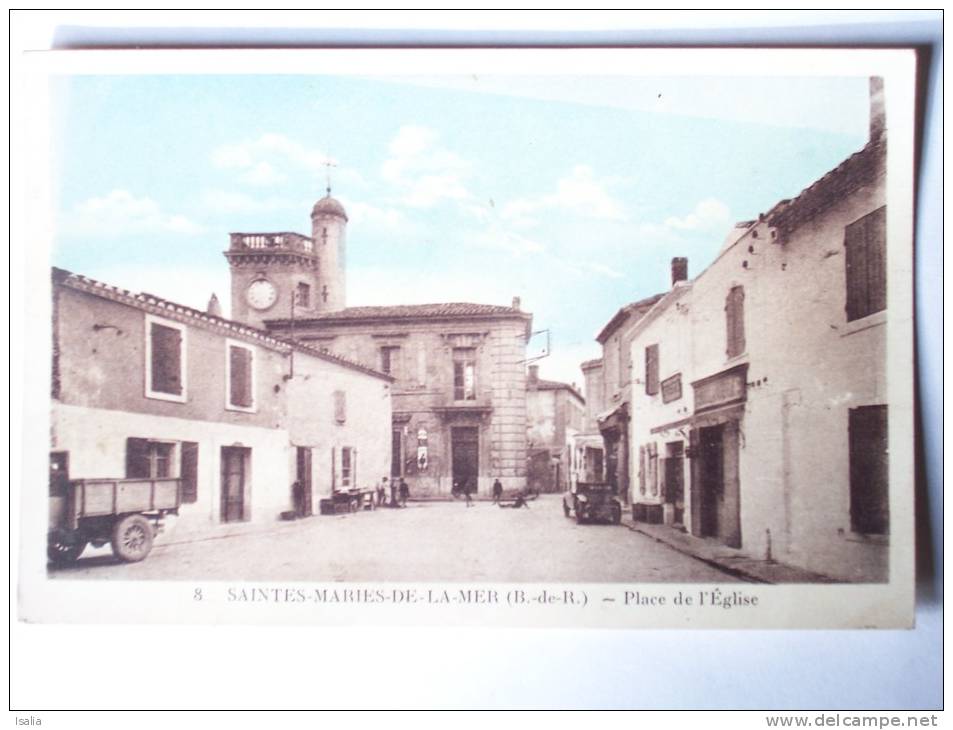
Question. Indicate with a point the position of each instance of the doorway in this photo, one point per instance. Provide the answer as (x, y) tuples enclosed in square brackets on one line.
[(675, 480), (715, 487), (465, 456), (235, 461), (302, 505)]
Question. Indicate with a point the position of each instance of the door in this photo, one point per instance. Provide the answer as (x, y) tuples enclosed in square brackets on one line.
[(396, 452), (465, 445), (302, 504), (234, 478), (674, 479), (711, 477)]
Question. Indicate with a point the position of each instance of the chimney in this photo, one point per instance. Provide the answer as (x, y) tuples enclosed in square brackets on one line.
[(533, 374), (679, 269), (214, 308), (878, 114), (516, 302)]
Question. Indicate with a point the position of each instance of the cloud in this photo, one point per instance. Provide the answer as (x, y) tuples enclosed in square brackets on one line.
[(119, 212), (425, 172), (267, 160), (509, 241), (223, 201), (372, 216), (579, 192), (709, 215)]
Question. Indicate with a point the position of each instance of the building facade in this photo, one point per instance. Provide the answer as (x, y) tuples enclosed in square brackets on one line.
[(459, 395), (555, 413), (143, 387), (761, 403), (588, 444)]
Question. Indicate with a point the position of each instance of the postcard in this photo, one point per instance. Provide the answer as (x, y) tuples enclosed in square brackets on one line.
[(564, 337)]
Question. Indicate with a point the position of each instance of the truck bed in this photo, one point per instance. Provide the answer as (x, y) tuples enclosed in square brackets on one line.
[(99, 497)]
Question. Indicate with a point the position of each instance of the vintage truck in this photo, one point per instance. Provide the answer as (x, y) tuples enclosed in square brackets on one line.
[(125, 512), (592, 501)]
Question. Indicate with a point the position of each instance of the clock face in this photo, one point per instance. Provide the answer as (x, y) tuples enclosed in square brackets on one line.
[(261, 294)]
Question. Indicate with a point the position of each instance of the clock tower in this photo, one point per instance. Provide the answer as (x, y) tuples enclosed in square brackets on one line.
[(285, 275)]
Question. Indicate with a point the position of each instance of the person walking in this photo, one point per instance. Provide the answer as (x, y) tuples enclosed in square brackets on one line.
[(382, 492), (404, 492), (497, 490)]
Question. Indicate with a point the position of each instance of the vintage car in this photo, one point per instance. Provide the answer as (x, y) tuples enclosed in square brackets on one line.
[(590, 501)]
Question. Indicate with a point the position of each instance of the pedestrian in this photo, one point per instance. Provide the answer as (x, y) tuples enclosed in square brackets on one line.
[(297, 497), (466, 492), (382, 492), (497, 490), (404, 491)]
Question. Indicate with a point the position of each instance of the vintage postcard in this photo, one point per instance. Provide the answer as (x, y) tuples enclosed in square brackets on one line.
[(614, 338)]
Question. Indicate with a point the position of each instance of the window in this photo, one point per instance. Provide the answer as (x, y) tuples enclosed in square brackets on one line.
[(735, 321), (340, 406), (464, 373), (867, 436), (390, 359), (865, 242), (303, 295), (348, 466), (651, 370), (165, 360), (147, 459), (240, 379)]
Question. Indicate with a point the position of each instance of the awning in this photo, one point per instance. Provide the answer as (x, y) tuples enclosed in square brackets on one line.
[(734, 412)]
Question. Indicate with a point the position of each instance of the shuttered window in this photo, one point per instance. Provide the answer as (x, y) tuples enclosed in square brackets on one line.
[(464, 373), (735, 321), (869, 507), (865, 243), (166, 359), (240, 377), (147, 459), (651, 370), (190, 472)]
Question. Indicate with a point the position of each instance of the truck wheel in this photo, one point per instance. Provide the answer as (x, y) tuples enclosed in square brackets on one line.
[(63, 553), (132, 538)]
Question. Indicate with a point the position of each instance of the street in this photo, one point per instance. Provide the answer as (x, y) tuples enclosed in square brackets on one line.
[(427, 541)]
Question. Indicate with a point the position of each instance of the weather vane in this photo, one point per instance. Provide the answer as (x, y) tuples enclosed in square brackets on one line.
[(328, 164)]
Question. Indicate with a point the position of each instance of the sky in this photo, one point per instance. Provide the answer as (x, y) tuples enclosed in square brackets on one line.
[(572, 193)]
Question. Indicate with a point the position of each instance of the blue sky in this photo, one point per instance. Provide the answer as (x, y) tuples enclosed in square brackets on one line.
[(572, 193)]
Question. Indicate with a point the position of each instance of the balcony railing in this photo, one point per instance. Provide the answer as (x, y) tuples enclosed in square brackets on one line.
[(271, 242)]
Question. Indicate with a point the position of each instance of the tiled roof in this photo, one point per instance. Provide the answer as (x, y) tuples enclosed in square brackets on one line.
[(594, 363), (172, 310), (853, 173), (635, 308), (557, 385), (410, 311)]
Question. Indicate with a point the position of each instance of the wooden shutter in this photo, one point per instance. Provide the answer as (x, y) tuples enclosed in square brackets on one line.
[(137, 459), (875, 232), (641, 470), (166, 359), (856, 267), (189, 472), (651, 370), (240, 365), (867, 436)]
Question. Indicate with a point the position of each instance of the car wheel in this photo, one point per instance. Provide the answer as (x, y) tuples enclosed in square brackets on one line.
[(132, 538)]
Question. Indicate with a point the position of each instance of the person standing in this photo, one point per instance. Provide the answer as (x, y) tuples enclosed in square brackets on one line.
[(497, 490), (404, 492), (382, 492), (466, 492)]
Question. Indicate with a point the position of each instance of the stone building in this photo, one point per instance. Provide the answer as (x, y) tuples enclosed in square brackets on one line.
[(760, 403), (554, 419), (144, 387), (459, 395)]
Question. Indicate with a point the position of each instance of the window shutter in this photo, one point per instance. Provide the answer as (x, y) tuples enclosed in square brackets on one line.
[(340, 406), (642, 470), (166, 359), (190, 472), (735, 322), (137, 458), (876, 245), (651, 370), (240, 377), (856, 266)]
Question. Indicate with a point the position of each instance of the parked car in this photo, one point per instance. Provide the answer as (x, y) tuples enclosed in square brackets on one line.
[(590, 501)]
